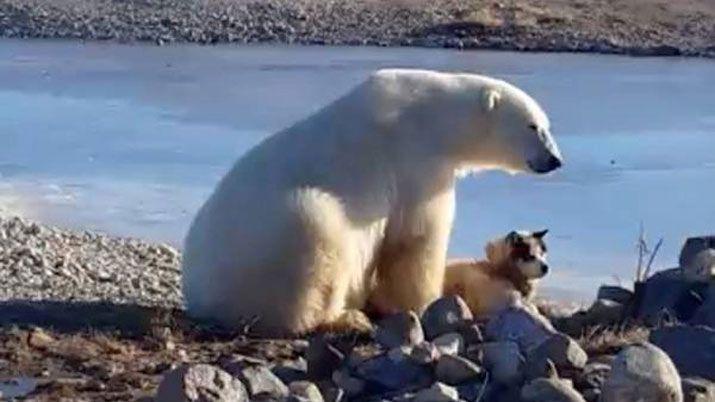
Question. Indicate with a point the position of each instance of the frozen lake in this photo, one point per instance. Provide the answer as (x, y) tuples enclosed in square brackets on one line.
[(130, 139)]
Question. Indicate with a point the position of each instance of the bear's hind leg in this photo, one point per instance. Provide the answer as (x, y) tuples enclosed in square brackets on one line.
[(329, 265)]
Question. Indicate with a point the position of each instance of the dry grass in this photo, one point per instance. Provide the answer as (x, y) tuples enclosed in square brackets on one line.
[(597, 341)]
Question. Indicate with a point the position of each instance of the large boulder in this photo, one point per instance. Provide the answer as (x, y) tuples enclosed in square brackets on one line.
[(692, 348), (697, 257), (705, 313), (698, 390), (522, 324), (669, 294), (642, 372), (504, 361), (200, 383), (617, 294)]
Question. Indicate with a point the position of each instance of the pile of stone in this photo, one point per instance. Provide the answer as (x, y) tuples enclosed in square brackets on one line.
[(444, 355), (440, 23), (45, 263)]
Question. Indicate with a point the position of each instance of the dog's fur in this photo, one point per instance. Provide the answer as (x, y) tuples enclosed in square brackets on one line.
[(513, 266)]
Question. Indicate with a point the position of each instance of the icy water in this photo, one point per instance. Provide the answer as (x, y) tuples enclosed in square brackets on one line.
[(130, 139)]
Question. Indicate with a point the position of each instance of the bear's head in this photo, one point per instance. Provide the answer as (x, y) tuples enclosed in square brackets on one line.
[(477, 122), (516, 132)]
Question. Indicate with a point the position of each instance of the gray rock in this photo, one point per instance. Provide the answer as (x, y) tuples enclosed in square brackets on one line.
[(291, 370), (504, 361), (390, 373), (454, 370), (667, 294), (200, 382), (642, 372), (591, 394), (444, 315), (304, 391), (18, 387), (702, 267), (424, 353), (551, 390), (261, 382), (520, 324), (614, 293), (352, 386), (705, 313), (400, 329), (471, 334), (698, 390), (449, 344), (692, 348), (593, 376), (563, 351), (605, 313), (437, 393), (322, 358)]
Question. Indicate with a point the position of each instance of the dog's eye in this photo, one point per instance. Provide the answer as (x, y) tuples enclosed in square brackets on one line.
[(534, 127)]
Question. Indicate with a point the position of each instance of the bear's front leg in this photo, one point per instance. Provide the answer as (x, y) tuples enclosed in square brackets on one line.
[(411, 263)]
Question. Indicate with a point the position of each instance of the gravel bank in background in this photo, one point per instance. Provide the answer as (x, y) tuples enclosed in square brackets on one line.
[(635, 27), (39, 262)]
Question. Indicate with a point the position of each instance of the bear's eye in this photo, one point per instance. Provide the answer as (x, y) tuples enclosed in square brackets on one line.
[(534, 127)]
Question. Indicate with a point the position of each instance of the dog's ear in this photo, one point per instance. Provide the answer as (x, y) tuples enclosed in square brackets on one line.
[(512, 237), (541, 233)]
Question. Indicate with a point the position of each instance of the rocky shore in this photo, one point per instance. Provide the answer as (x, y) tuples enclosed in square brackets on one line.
[(88, 317), (640, 27)]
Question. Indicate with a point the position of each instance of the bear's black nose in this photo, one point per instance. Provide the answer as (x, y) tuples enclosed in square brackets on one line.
[(544, 269), (554, 162)]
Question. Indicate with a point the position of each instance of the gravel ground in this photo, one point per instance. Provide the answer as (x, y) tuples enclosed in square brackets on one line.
[(45, 263), (636, 27)]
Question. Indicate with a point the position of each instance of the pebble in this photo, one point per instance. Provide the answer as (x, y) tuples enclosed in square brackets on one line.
[(440, 23)]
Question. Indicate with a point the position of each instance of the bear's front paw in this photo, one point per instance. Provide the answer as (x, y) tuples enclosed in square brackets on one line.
[(349, 321)]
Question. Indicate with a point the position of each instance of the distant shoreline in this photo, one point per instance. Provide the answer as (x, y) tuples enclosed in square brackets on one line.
[(629, 27)]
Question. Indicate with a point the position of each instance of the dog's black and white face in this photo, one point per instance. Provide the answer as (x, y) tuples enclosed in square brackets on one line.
[(527, 250)]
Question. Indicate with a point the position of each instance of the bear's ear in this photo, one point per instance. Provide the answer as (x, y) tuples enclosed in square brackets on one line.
[(490, 99)]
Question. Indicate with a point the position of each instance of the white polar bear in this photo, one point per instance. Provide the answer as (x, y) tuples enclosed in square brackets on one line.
[(354, 204)]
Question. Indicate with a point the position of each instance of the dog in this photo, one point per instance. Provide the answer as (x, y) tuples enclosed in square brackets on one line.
[(514, 265)]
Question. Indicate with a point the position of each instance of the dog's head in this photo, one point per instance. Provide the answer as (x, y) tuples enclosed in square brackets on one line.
[(522, 251)]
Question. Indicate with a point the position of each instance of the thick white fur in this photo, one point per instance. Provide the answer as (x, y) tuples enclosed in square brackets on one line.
[(355, 202)]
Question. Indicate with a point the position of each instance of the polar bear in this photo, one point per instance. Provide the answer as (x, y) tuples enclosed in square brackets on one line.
[(354, 204)]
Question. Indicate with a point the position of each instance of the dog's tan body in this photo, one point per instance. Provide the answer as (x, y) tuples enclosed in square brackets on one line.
[(490, 284)]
